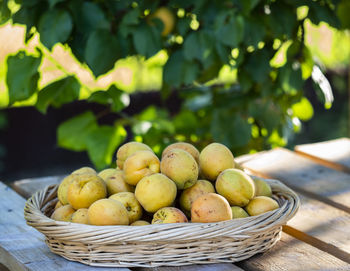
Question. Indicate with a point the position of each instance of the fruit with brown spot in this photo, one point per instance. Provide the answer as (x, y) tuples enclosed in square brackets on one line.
[(180, 167), (190, 194), (106, 173), (116, 183), (169, 215), (184, 146), (80, 216), (209, 208), (131, 204)]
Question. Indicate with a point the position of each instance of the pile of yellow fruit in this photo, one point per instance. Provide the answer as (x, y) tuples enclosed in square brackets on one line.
[(177, 188)]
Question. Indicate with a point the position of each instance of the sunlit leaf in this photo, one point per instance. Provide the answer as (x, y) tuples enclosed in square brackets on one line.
[(303, 109), (72, 134), (22, 76), (58, 93), (102, 142), (5, 12)]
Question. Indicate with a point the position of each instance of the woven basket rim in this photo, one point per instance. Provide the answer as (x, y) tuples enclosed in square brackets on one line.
[(36, 218)]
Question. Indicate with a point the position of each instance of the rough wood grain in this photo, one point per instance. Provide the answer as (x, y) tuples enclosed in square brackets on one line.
[(28, 187), (304, 176), (293, 255), (329, 227), (333, 153), (22, 247)]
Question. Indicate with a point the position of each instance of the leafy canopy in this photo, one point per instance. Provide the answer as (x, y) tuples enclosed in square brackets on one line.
[(253, 108)]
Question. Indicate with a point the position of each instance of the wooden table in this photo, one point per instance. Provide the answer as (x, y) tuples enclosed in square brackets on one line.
[(317, 238)]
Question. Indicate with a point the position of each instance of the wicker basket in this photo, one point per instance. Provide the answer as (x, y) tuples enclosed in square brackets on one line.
[(164, 244)]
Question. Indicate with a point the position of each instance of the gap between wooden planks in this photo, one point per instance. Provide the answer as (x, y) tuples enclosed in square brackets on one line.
[(316, 223)]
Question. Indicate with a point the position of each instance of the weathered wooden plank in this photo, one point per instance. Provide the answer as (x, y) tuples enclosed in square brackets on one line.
[(304, 176), (197, 267), (323, 226), (293, 255), (28, 187), (22, 247), (333, 153)]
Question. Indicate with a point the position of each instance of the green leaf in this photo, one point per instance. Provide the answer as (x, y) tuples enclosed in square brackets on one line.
[(199, 45), (28, 16), (90, 17), (282, 20), (254, 32), (245, 80), (321, 12), (72, 133), (101, 52), (55, 26), (290, 77), (131, 17), (223, 52), (177, 70), (303, 109), (5, 13), (258, 66), (246, 5), (28, 3), (307, 63), (183, 25), (190, 49), (147, 40), (87, 18), (22, 76), (230, 128), (266, 113), (60, 92), (149, 114), (102, 142), (231, 34), (343, 11), (115, 98), (53, 3), (185, 122)]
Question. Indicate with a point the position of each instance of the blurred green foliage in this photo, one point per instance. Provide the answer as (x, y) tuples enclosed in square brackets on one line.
[(239, 67)]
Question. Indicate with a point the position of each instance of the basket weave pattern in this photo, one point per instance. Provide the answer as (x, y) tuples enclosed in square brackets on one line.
[(163, 244)]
